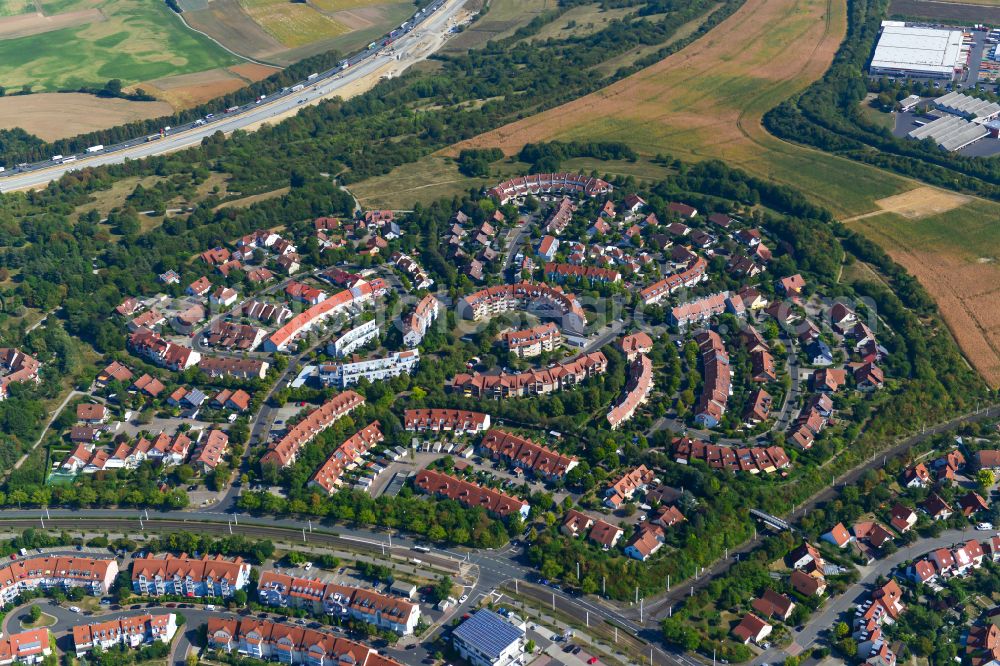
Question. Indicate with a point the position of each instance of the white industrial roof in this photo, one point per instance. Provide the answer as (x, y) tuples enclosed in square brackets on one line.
[(966, 105), (950, 132), (918, 49)]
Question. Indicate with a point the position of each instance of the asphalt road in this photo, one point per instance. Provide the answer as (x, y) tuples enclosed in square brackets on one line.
[(411, 47)]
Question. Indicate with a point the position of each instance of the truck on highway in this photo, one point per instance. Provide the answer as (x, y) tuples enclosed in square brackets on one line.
[(153, 137), (371, 46), (71, 158), (297, 87), (312, 76), (345, 64), (56, 158), (231, 109), (96, 149)]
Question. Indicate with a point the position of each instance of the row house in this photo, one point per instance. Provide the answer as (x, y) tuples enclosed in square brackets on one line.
[(237, 368), (717, 387), (549, 183), (285, 451), (522, 453), (637, 390), (129, 632), (557, 377), (237, 401), (346, 457), (561, 272), (470, 494), (407, 264), (560, 216), (340, 303), (695, 272), (458, 421), (758, 408), (266, 312), (385, 612), (943, 562), (230, 335), (701, 310), (533, 341), (347, 374), (289, 644), (209, 576), (755, 460), (636, 344)]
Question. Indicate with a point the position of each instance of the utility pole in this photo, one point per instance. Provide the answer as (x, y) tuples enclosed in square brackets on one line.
[(146, 511), (636, 594), (303, 535), (230, 526), (310, 526), (604, 586), (641, 604), (553, 601), (578, 569), (588, 619), (42, 520), (47, 512), (236, 517), (668, 582)]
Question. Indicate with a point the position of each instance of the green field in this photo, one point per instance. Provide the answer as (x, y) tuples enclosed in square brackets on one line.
[(139, 40), (292, 24), (15, 7)]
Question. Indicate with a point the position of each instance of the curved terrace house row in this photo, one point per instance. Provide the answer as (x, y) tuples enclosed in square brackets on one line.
[(549, 183), (538, 299)]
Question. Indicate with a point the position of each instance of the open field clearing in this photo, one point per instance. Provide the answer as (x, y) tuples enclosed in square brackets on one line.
[(292, 24), (965, 11), (15, 7), (25, 25), (503, 19), (706, 101), (187, 90), (956, 257), (51, 116), (580, 21), (131, 40), (226, 21)]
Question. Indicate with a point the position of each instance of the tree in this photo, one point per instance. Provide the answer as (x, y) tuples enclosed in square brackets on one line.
[(35, 613), (191, 659), (986, 479), (529, 647), (841, 629)]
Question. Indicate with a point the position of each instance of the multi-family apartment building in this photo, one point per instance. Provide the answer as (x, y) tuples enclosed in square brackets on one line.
[(131, 632), (640, 384), (469, 494), (533, 341), (385, 612), (558, 377), (209, 576), (16, 367), (542, 299), (343, 375), (290, 644), (346, 456), (26, 647), (416, 325), (525, 454), (354, 339), (94, 575)]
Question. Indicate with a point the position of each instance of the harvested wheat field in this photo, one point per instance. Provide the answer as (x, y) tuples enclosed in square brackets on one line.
[(707, 101), (24, 25), (187, 90), (956, 257), (917, 203), (52, 116)]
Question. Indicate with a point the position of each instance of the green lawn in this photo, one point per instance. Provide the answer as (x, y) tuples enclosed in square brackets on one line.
[(970, 231), (139, 41)]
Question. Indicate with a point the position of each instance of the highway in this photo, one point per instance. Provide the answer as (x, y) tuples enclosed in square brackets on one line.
[(428, 32)]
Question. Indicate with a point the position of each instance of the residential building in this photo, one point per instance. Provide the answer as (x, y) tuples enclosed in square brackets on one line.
[(345, 457), (635, 345), (114, 372), (717, 388), (489, 639), (149, 344), (469, 494), (91, 413), (95, 575), (354, 339), (342, 302), (838, 536), (522, 453), (752, 629), (903, 518), (806, 585), (556, 272), (605, 534), (637, 390), (576, 523), (626, 487), (233, 336), (387, 613), (25, 647), (343, 375), (209, 576), (223, 297), (239, 368), (557, 377), (457, 421), (419, 322), (771, 604), (285, 451), (541, 299), (699, 311), (533, 341), (16, 367), (754, 459), (130, 632), (647, 540), (211, 450), (694, 272), (549, 183), (289, 644)]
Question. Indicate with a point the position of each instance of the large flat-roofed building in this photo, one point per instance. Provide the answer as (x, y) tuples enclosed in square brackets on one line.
[(488, 639), (967, 106), (950, 132), (904, 50)]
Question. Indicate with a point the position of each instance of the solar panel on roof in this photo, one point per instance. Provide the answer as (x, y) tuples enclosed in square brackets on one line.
[(488, 632)]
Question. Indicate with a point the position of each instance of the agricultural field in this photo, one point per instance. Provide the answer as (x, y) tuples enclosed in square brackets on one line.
[(292, 24), (960, 11), (87, 42), (52, 116), (502, 19), (187, 90), (706, 101), (15, 7), (956, 256)]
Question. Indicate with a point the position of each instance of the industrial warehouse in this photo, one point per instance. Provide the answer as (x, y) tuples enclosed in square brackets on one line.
[(912, 51), (958, 121)]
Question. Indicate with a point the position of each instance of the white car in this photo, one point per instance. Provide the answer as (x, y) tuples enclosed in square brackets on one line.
[(982, 527), (75, 609), (464, 598)]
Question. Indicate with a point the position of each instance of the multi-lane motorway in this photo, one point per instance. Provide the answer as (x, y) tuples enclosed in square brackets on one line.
[(423, 35)]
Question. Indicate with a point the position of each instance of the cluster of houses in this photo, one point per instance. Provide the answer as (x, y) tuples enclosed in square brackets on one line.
[(473, 248), (345, 457), (522, 454), (718, 385), (16, 367), (958, 560), (414, 271), (470, 494), (547, 301), (209, 449), (130, 632), (557, 377), (637, 390)]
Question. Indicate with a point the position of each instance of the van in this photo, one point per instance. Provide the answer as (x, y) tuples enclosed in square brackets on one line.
[(210, 607)]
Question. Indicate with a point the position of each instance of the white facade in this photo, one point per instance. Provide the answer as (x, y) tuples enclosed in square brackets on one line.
[(348, 374), (354, 339)]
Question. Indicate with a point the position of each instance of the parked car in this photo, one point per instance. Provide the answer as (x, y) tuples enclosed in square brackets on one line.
[(982, 527)]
